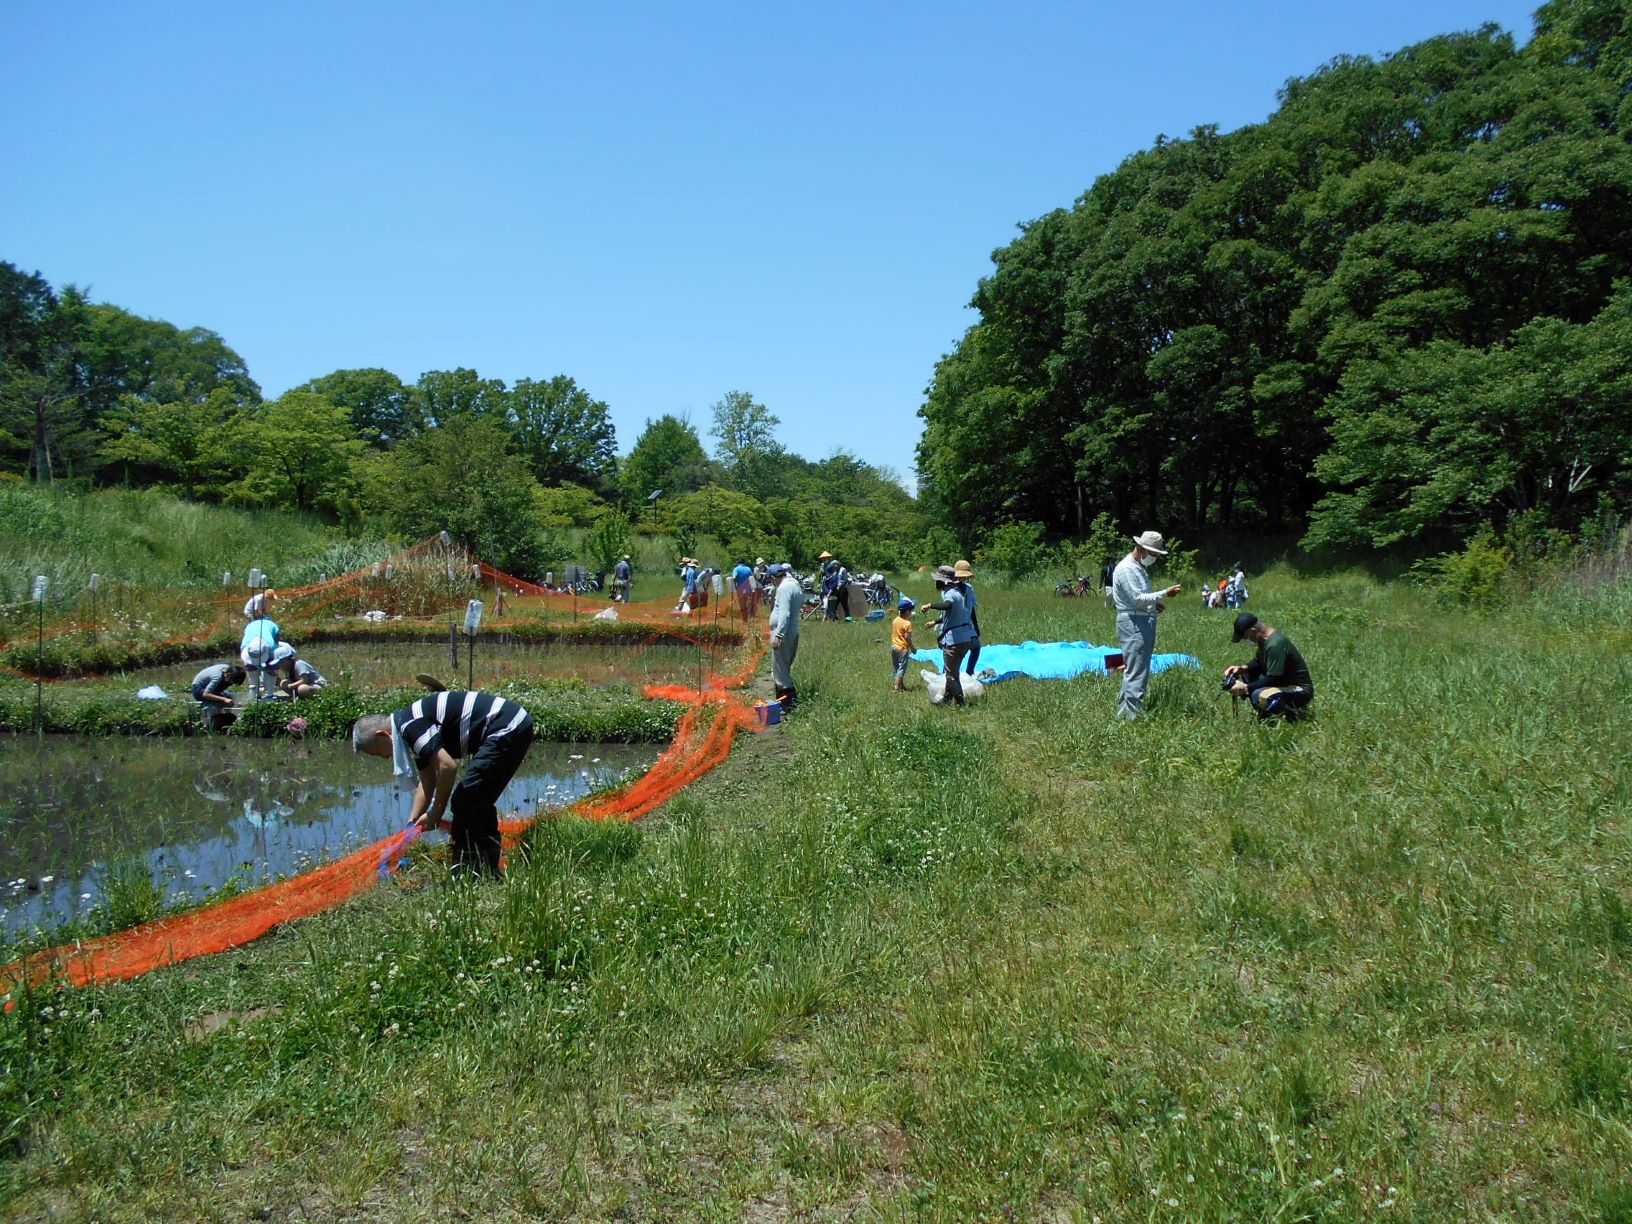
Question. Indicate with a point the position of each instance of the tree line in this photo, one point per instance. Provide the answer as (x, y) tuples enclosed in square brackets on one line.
[(91, 394), (1396, 310)]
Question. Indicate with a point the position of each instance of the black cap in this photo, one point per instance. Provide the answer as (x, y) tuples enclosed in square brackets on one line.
[(1242, 623)]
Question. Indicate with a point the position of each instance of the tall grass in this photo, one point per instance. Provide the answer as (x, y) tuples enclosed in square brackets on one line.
[(903, 962), (148, 538)]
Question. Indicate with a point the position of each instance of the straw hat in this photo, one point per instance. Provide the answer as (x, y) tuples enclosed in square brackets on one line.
[(1151, 541), (962, 569), (826, 556)]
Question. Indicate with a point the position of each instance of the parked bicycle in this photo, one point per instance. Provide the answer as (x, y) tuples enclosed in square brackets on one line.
[(880, 594), (1082, 586)]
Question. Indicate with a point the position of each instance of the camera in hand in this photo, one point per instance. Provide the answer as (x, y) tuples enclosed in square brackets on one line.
[(1229, 683)]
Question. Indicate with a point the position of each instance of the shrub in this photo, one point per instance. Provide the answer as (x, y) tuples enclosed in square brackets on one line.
[(1477, 576), (1018, 550)]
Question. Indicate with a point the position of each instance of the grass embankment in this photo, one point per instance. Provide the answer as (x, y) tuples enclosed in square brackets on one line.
[(147, 538), (82, 654), (1013, 961), (564, 711)]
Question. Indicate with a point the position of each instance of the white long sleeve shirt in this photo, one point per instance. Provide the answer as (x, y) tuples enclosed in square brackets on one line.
[(1130, 588), (785, 606)]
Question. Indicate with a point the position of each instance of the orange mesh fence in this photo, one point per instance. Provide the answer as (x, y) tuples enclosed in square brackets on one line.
[(425, 584), (702, 740)]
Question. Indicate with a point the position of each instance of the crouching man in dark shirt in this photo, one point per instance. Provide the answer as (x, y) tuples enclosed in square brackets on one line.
[(1277, 681), (430, 737)]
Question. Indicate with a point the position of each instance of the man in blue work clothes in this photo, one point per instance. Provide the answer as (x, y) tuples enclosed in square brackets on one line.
[(621, 574), (1136, 608)]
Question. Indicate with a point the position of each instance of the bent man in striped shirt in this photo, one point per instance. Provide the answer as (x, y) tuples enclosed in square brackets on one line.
[(430, 737)]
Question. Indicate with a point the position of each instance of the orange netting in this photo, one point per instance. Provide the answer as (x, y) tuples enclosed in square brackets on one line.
[(701, 741), (425, 584)]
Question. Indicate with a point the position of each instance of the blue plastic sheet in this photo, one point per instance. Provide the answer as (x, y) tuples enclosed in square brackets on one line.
[(1051, 660)]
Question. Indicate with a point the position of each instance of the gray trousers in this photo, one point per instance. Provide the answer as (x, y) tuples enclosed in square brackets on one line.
[(1137, 636), (782, 661)]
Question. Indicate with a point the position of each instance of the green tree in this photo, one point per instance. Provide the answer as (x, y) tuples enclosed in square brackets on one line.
[(466, 478), (608, 540), (668, 457), (564, 432), (725, 514), (748, 450), (42, 415), (440, 396), (571, 505), (381, 407), (301, 451), (190, 445)]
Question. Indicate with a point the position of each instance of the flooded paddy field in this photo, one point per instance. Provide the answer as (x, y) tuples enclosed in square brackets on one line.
[(184, 818), (387, 664)]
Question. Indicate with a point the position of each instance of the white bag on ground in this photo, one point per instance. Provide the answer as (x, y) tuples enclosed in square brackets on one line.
[(607, 614), (936, 684)]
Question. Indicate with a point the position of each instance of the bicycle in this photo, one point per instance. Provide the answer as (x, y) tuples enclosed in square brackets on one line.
[(880, 594), (1071, 590)]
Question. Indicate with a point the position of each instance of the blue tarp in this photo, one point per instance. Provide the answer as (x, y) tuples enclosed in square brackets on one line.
[(1052, 660)]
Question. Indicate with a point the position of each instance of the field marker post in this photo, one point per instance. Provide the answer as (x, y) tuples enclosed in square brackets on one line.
[(40, 584)]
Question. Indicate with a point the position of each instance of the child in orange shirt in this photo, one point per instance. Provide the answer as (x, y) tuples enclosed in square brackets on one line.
[(901, 642)]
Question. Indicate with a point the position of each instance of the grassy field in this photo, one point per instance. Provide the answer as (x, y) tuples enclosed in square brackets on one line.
[(901, 962)]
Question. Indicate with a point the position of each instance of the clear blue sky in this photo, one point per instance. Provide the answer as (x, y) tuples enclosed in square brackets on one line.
[(665, 201)]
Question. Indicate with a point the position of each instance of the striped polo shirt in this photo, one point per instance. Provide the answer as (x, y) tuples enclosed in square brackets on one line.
[(457, 722)]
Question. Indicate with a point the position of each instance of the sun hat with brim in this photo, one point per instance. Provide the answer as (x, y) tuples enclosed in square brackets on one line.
[(945, 573), (826, 556), (1242, 623), (963, 569), (1151, 541), (759, 560)]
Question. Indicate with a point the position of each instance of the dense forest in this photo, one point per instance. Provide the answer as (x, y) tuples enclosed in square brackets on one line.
[(1395, 311), (92, 395)]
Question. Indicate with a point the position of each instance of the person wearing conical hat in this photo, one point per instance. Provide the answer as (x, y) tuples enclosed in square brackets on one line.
[(1136, 608)]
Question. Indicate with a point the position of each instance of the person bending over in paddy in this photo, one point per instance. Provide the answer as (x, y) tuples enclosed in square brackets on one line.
[(1277, 681), (297, 677), (210, 691), (430, 737)]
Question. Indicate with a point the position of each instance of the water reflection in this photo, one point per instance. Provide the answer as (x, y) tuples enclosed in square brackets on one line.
[(201, 812)]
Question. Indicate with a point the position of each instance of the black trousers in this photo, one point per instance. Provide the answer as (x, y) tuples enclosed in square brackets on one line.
[(475, 801), (951, 660)]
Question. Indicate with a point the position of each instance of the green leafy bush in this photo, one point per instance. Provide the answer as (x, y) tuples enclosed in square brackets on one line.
[(1017, 550), (1477, 576)]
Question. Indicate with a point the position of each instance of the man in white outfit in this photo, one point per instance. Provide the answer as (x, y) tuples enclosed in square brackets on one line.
[(1136, 608)]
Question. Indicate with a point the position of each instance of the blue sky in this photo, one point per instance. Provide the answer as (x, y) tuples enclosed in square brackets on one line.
[(665, 201)]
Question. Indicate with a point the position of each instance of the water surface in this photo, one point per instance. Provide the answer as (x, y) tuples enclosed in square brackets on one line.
[(196, 812)]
